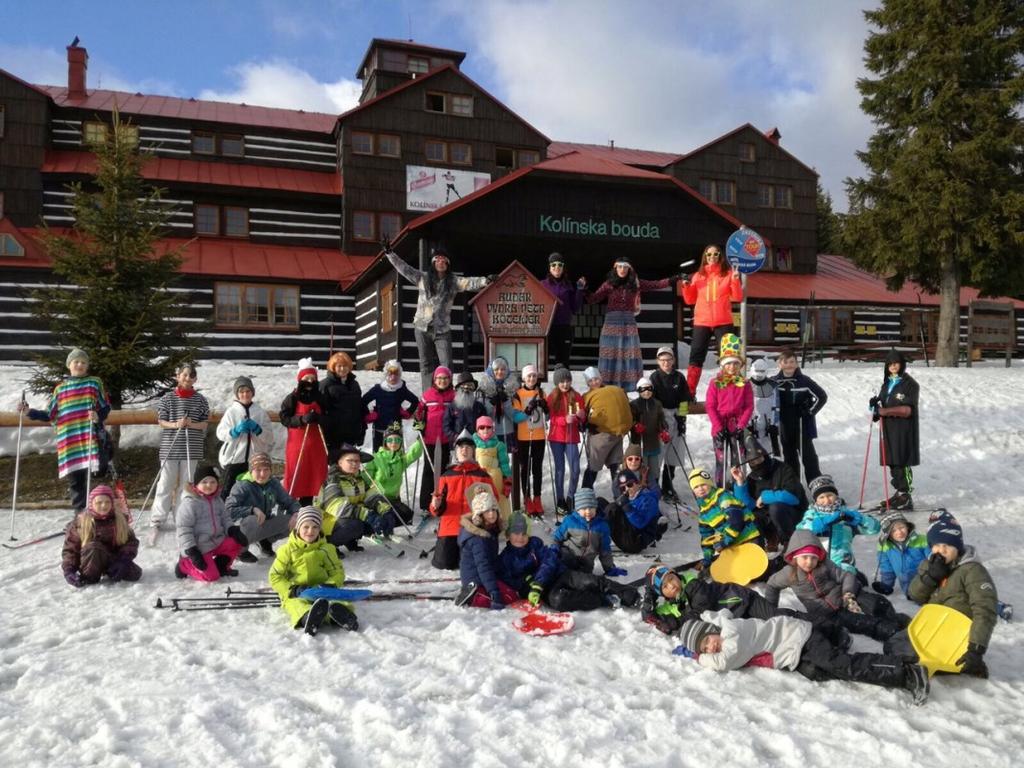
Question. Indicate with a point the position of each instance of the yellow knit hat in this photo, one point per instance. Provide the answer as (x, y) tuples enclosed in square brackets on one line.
[(699, 476)]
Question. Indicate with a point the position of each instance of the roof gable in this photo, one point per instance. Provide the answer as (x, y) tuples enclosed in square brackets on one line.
[(758, 136)]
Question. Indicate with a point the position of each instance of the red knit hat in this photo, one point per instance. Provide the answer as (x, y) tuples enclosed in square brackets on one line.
[(306, 368), (810, 549)]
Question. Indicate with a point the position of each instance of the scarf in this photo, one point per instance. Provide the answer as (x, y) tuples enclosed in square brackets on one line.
[(389, 387), (828, 509), (184, 394), (723, 380)]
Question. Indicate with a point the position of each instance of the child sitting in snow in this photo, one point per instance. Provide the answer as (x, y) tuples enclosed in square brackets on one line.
[(207, 537), (828, 517), (634, 518), (478, 559), (722, 643), (900, 551), (826, 590), (583, 537), (391, 400), (724, 521), (669, 595), (307, 560), (387, 469), (536, 572), (99, 542), (350, 512), (954, 576)]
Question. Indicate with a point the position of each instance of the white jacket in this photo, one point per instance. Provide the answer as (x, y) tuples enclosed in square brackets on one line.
[(238, 450), (743, 639)]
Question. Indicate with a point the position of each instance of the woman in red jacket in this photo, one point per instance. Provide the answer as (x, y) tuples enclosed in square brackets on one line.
[(711, 291)]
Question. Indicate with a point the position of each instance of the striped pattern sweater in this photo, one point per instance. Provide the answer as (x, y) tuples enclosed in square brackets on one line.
[(724, 518), (69, 408), (190, 443)]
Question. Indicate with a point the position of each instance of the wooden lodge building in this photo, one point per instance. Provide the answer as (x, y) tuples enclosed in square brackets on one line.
[(281, 213)]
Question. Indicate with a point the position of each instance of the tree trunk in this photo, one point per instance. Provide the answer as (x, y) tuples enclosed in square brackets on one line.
[(947, 351)]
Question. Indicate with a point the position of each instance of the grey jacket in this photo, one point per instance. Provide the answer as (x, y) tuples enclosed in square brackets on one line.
[(247, 494), (202, 522), (433, 312), (820, 591)]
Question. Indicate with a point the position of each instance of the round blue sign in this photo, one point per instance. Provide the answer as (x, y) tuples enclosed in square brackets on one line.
[(745, 250)]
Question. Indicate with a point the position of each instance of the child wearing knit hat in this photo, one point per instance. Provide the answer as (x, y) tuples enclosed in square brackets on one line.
[(478, 545), (649, 430), (836, 524), (954, 576), (530, 403), (568, 417), (244, 430), (729, 405), (901, 550), (208, 538), (99, 542), (307, 560), (724, 520)]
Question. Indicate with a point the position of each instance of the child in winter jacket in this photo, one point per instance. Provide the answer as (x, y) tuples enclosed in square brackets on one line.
[(764, 424), (497, 385), (672, 391), (583, 536), (208, 539), (387, 469), (827, 591), (307, 560), (429, 422), (492, 455), (722, 643), (774, 493), (450, 502), (724, 520), (464, 409), (633, 460), (305, 456), (634, 517), (530, 403), (350, 510), (900, 551), (260, 506), (391, 401), (954, 576), (800, 399), (99, 542), (568, 416), (729, 405), (649, 429), (608, 420), (77, 408), (828, 517), (522, 556), (478, 561), (183, 414), (687, 593), (244, 430)]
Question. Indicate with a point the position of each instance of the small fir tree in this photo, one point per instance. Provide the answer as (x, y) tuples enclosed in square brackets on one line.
[(943, 199), (114, 299)]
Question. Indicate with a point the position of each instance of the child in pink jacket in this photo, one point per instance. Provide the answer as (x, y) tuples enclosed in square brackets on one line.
[(729, 404)]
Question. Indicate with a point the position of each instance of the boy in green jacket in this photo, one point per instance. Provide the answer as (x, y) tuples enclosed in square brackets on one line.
[(387, 469), (954, 576)]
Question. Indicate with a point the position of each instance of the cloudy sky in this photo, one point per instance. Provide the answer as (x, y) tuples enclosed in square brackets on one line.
[(665, 75)]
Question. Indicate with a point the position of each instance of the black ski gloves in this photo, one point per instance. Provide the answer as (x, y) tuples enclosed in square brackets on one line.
[(938, 569), (972, 661), (193, 554)]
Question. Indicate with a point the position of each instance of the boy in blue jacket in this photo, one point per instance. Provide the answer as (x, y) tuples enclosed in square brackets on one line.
[(828, 517), (634, 517), (900, 550), (583, 536)]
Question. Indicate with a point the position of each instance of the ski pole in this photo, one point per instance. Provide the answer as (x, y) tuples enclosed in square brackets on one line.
[(376, 485), (152, 486), (298, 460), (881, 448), (551, 469), (88, 460), (867, 456), (17, 461)]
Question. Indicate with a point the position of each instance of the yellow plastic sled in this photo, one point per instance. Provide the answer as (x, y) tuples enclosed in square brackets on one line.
[(939, 635), (739, 565)]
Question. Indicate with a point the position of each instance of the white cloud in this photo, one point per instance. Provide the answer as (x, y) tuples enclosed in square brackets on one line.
[(280, 84), (670, 77)]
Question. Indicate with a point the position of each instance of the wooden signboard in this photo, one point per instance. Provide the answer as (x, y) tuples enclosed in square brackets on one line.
[(991, 325), (515, 314)]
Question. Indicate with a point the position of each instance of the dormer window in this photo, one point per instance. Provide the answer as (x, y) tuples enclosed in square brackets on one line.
[(418, 65), (462, 105)]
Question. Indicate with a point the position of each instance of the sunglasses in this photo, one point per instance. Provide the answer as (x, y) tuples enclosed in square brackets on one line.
[(630, 484), (442, 377), (713, 253), (557, 264), (393, 440), (485, 429), (645, 389)]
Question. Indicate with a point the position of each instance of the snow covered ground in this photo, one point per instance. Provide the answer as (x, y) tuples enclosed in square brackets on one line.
[(101, 677)]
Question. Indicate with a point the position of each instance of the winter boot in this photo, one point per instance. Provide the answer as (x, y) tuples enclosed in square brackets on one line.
[(353, 546), (884, 629), (1005, 611), (465, 594), (315, 616), (613, 601), (693, 378), (901, 501), (916, 681), (536, 507), (245, 556), (343, 617), (223, 563), (267, 548), (630, 597)]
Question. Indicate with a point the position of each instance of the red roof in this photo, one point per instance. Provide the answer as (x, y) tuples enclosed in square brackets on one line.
[(584, 162), (203, 172), (194, 109), (839, 281), (224, 257), (621, 154)]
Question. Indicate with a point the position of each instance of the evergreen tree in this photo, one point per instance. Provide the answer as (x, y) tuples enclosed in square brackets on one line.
[(828, 222), (943, 199), (113, 298)]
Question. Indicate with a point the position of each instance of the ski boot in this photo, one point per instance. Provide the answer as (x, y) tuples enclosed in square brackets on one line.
[(223, 563), (245, 556), (315, 616), (267, 548), (916, 681), (343, 617), (465, 594)]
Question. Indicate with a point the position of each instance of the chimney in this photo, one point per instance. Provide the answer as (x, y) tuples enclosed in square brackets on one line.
[(78, 63)]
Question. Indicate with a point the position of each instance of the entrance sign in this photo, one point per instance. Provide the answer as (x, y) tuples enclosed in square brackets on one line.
[(746, 251), (515, 314), (428, 188)]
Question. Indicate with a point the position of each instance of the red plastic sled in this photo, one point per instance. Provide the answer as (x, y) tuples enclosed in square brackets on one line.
[(536, 622)]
